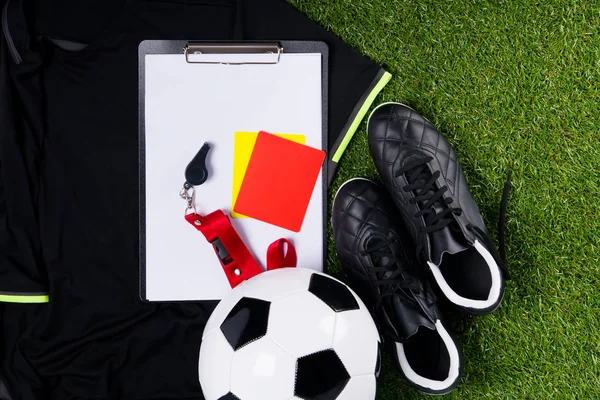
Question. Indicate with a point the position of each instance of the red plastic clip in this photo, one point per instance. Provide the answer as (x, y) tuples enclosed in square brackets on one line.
[(236, 260)]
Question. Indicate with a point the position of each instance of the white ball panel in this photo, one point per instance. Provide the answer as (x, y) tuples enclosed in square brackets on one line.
[(360, 387), (355, 341), (273, 285), (214, 367), (302, 324), (363, 307), (262, 370), (366, 312), (223, 308)]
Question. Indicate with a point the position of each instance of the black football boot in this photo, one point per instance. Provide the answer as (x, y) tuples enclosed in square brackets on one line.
[(420, 170), (377, 255)]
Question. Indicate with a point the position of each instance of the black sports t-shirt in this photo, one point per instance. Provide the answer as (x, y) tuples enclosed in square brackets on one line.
[(69, 190)]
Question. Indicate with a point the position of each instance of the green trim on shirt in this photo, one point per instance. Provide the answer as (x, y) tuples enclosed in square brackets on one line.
[(385, 78), (6, 297)]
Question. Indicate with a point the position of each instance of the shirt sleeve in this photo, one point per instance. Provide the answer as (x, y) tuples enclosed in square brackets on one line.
[(354, 80), (22, 279)]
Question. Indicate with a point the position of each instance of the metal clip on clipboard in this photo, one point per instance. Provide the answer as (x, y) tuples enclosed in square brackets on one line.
[(214, 50)]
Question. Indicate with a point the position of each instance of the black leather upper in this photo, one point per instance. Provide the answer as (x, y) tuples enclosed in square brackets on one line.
[(364, 213), (398, 136)]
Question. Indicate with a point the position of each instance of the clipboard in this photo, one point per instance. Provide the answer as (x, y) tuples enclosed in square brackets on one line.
[(218, 64)]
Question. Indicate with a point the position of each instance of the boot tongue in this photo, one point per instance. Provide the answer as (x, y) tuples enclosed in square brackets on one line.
[(449, 239), (406, 317)]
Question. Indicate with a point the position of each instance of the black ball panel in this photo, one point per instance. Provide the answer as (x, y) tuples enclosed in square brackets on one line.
[(229, 396), (320, 376), (333, 293), (246, 322)]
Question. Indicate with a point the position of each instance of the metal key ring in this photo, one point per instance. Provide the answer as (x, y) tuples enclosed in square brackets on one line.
[(188, 193)]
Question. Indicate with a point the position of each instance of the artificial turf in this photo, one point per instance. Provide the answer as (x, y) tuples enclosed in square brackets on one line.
[(514, 85)]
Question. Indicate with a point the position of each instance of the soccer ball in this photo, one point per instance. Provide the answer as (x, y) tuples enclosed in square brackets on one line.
[(290, 334)]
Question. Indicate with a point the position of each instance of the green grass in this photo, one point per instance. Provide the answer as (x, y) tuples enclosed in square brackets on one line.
[(513, 85)]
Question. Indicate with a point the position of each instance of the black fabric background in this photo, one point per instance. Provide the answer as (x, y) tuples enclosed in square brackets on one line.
[(70, 163)]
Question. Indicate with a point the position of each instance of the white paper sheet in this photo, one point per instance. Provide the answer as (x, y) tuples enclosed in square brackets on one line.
[(189, 104)]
